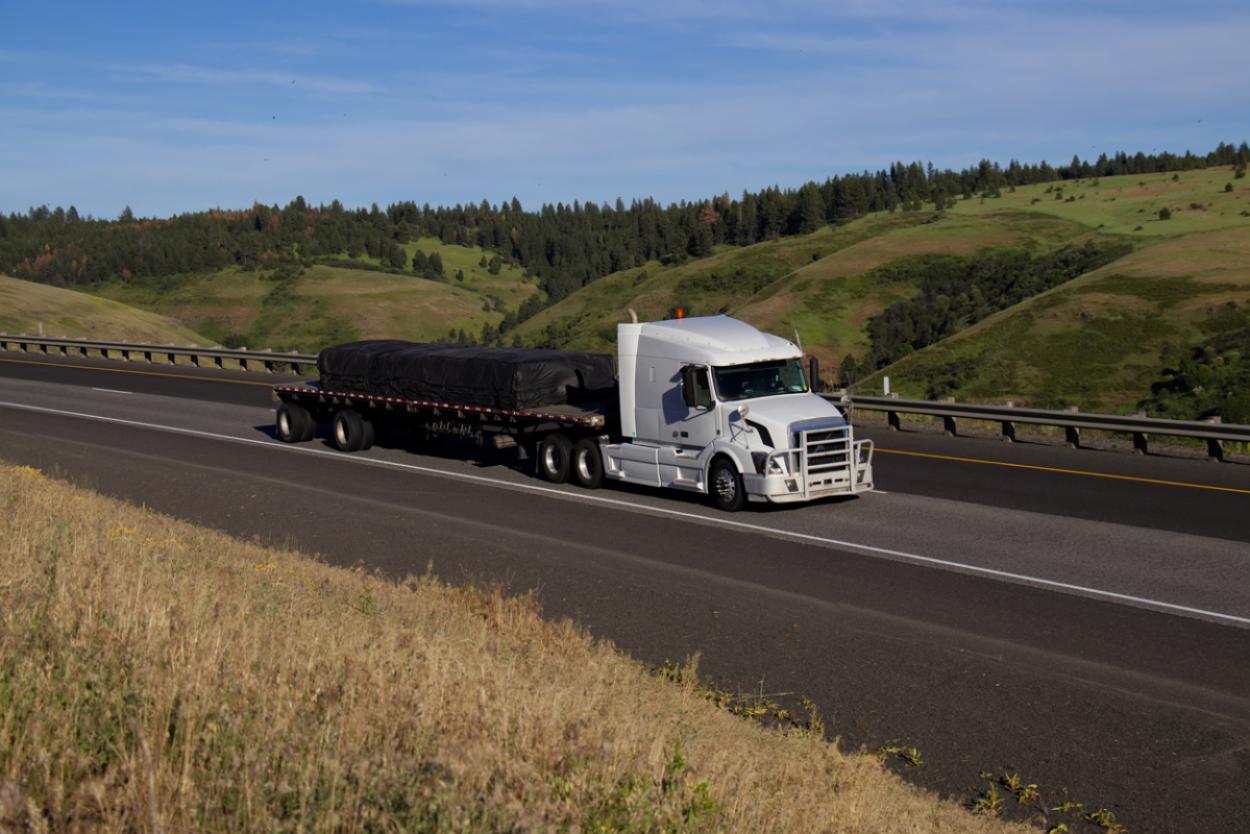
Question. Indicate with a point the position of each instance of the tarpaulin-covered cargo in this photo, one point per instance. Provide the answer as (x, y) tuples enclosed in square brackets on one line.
[(509, 378), (346, 367)]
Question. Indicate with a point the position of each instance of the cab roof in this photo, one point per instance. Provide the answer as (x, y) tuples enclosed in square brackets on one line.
[(714, 340)]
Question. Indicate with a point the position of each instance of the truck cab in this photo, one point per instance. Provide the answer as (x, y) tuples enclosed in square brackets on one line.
[(713, 405)]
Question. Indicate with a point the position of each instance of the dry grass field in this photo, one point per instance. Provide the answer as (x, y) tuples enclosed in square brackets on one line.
[(159, 677)]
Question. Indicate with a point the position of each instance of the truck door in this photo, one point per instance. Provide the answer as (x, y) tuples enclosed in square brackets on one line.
[(689, 411)]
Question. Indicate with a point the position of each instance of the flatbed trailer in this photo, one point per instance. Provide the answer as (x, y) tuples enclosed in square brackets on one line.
[(353, 416)]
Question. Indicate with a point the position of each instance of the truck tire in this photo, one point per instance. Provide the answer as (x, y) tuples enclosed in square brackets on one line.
[(724, 486), (555, 458), (294, 423), (588, 463), (352, 433)]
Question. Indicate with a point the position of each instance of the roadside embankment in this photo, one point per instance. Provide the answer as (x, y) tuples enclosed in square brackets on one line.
[(155, 676)]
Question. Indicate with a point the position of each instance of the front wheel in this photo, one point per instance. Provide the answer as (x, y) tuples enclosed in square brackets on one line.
[(725, 486)]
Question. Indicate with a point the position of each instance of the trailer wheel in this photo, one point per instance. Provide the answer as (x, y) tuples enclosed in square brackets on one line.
[(294, 423), (352, 433), (588, 463), (724, 486), (555, 454)]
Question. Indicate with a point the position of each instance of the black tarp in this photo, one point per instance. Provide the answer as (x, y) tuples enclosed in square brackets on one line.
[(511, 378)]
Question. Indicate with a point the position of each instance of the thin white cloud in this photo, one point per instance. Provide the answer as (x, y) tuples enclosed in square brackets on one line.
[(213, 76)]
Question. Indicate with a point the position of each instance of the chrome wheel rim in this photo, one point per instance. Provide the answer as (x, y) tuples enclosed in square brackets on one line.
[(726, 487), (284, 424), (340, 432), (584, 468), (551, 458)]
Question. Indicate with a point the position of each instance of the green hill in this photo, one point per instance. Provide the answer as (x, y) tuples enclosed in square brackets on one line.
[(821, 285), (510, 285), (325, 304), (1098, 341), (25, 306), (1101, 340)]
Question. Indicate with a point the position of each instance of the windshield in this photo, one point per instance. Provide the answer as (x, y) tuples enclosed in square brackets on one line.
[(761, 379)]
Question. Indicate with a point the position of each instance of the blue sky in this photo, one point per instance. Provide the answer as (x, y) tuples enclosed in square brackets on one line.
[(167, 107)]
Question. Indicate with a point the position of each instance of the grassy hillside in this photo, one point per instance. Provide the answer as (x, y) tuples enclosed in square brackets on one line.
[(1102, 340), (1097, 342), (24, 305), (820, 284), (1130, 205), (510, 286), (162, 677), (324, 305), (327, 304)]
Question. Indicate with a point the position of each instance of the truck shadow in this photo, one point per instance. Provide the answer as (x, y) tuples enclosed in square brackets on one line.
[(485, 458)]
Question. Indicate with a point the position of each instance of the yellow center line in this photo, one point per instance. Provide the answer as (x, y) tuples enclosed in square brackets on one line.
[(1062, 471), (138, 373)]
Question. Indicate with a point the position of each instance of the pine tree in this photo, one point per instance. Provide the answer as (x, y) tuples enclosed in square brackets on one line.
[(397, 256), (810, 215)]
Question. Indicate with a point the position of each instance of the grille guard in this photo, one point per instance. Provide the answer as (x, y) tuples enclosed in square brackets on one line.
[(827, 461)]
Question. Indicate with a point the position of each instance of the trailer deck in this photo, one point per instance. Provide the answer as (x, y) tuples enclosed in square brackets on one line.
[(568, 415)]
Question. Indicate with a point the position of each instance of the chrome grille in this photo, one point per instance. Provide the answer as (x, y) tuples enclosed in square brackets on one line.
[(824, 450)]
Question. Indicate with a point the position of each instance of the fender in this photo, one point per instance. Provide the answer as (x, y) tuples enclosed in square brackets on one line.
[(740, 457)]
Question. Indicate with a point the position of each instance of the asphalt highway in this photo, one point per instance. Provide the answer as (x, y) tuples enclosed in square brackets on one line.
[(1079, 617)]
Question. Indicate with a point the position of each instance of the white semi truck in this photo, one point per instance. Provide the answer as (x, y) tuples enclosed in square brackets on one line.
[(708, 405)]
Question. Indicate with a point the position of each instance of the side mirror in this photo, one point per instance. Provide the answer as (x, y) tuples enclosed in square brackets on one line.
[(688, 393)]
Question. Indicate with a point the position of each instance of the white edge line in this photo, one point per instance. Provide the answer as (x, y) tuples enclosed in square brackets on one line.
[(112, 391), (630, 506)]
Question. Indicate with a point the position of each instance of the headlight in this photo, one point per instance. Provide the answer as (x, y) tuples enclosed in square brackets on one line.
[(767, 464)]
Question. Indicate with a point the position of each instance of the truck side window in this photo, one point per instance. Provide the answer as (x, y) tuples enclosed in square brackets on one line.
[(702, 389)]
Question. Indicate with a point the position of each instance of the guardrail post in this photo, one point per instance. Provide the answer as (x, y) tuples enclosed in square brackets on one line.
[(891, 417), (1008, 428), (948, 422), (147, 356), (1141, 445), (1215, 447), (1072, 434)]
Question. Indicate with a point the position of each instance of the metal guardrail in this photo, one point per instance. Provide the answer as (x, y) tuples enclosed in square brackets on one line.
[(271, 361), (1072, 422)]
